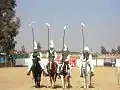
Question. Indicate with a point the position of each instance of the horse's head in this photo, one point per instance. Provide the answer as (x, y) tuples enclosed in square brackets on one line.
[(35, 60), (84, 64), (64, 70)]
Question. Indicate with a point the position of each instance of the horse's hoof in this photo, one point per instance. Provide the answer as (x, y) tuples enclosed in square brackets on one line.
[(69, 86), (90, 86)]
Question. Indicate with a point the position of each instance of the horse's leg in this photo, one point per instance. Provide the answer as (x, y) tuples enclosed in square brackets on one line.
[(68, 81), (39, 79), (51, 81), (84, 80), (54, 78), (90, 78), (35, 81), (62, 79), (65, 81)]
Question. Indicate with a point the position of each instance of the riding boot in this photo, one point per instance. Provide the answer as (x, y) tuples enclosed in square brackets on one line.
[(92, 74), (59, 76), (28, 73), (81, 75), (59, 73)]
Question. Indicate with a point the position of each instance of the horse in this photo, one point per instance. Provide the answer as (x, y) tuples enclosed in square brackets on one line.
[(52, 71), (86, 73), (36, 71), (65, 78)]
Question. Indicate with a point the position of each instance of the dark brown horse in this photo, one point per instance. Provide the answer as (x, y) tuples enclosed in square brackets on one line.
[(65, 76), (52, 71), (37, 71)]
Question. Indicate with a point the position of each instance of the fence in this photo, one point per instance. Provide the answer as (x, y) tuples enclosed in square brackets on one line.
[(72, 61)]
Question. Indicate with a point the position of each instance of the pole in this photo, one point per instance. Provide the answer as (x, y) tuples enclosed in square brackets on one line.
[(48, 43), (63, 44), (33, 38), (63, 39), (83, 39)]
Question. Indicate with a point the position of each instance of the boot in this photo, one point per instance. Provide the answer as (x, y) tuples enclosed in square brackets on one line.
[(28, 73), (92, 74), (81, 75), (59, 76)]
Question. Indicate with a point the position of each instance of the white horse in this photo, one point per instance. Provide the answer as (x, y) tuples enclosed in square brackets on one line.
[(86, 72)]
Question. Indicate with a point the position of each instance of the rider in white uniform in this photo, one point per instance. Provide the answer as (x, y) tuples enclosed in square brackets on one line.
[(89, 60), (51, 55), (65, 57), (30, 63)]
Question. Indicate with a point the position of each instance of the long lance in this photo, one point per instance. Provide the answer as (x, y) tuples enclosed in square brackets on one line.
[(33, 38), (63, 40), (63, 43), (83, 39), (48, 44)]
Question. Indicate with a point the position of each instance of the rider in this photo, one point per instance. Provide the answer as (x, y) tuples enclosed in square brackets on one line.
[(30, 63), (86, 55), (64, 58), (52, 55)]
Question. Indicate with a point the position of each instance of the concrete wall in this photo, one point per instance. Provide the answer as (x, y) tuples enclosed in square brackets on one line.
[(95, 62)]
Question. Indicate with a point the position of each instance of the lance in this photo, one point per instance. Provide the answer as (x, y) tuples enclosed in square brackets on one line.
[(63, 39), (83, 25), (48, 25), (32, 34)]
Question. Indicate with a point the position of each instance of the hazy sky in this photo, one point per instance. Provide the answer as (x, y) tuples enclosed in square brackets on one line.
[(102, 19)]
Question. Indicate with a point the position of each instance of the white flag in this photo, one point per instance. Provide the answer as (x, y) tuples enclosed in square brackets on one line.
[(35, 45), (64, 27), (47, 24), (83, 24), (31, 23)]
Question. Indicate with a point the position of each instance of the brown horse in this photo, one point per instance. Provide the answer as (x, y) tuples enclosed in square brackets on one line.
[(64, 75), (52, 71), (37, 71)]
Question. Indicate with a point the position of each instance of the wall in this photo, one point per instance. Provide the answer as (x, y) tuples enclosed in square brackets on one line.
[(95, 62)]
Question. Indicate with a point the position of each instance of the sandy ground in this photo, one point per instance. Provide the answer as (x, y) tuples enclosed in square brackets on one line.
[(16, 79)]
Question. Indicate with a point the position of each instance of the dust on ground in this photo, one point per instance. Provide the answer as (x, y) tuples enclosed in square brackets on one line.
[(16, 79)]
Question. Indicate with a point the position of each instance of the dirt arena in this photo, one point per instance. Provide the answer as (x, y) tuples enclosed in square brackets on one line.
[(16, 79)]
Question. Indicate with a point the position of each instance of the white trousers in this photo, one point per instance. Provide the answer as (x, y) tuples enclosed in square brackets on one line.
[(91, 65), (30, 65)]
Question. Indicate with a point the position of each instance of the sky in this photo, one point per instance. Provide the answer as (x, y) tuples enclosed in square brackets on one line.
[(101, 19)]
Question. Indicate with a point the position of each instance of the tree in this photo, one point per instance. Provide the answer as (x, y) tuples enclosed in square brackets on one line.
[(118, 49), (9, 25), (113, 51), (103, 50), (39, 46)]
